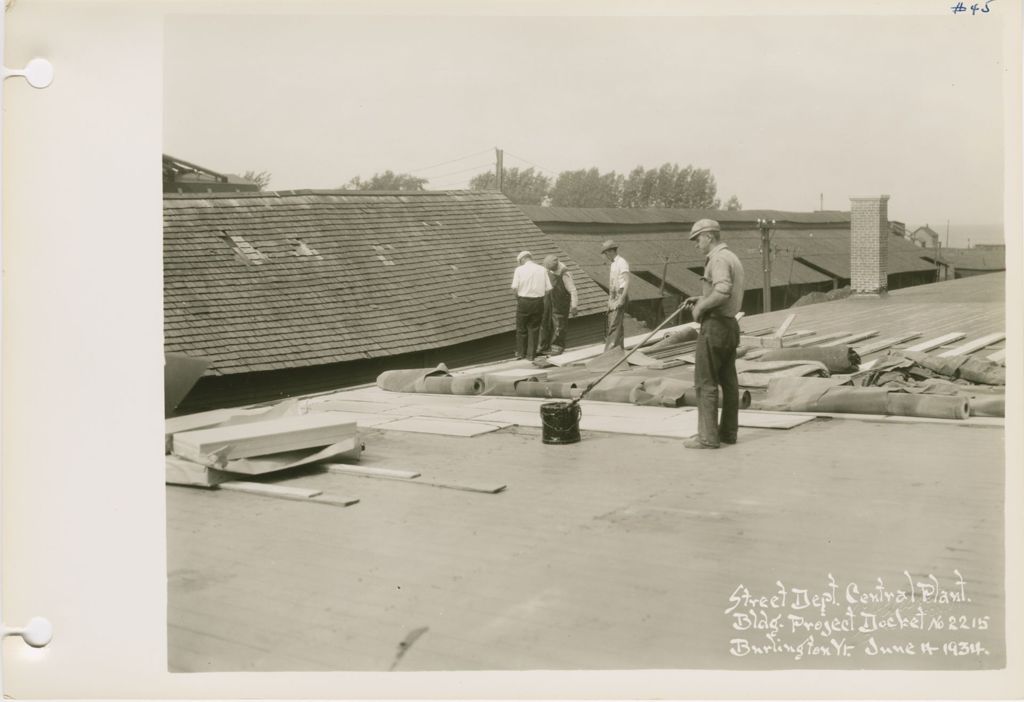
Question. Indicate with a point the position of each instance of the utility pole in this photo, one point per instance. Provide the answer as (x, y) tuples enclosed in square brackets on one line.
[(947, 233), (499, 168), (766, 262), (821, 202), (661, 289)]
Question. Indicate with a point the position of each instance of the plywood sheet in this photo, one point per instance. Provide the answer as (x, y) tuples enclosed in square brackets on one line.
[(446, 427), (360, 418), (524, 404), (594, 408), (772, 420), (444, 412), (518, 418), (357, 406)]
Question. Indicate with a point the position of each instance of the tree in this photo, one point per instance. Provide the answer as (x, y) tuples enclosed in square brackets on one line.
[(521, 187), (261, 179), (670, 186), (733, 203), (387, 180), (587, 188)]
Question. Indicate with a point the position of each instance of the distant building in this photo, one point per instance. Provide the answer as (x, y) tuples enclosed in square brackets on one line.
[(184, 177), (811, 251), (963, 263), (924, 237), (295, 292)]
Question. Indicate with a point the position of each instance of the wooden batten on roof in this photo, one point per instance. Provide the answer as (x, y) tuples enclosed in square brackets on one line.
[(266, 281)]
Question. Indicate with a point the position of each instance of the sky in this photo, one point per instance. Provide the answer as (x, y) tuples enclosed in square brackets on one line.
[(788, 113)]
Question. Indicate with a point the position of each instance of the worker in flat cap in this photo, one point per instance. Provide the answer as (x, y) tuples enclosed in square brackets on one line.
[(530, 283), (715, 309), (618, 295), (560, 303)]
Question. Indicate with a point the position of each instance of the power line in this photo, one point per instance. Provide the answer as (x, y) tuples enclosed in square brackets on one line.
[(536, 165), (464, 170), (445, 163)]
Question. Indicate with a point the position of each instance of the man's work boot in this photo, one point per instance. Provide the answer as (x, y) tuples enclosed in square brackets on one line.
[(694, 442)]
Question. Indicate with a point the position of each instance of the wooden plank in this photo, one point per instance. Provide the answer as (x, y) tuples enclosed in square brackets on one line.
[(179, 471), (283, 492), (972, 346), (269, 489), (772, 342), (370, 471), (998, 357), (936, 342), (260, 438), (883, 344), (817, 340), (852, 338), (333, 500), (784, 327), (487, 488)]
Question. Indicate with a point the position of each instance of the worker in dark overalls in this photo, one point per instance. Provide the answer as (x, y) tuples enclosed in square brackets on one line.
[(559, 304)]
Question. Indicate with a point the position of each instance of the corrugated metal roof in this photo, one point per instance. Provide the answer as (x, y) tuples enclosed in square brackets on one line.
[(972, 259), (826, 250), (656, 215), (266, 281)]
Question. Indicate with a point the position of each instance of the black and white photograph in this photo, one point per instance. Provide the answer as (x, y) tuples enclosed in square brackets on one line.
[(505, 337), (459, 298)]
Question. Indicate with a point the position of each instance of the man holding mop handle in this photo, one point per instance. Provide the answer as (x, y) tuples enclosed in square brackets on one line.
[(715, 309)]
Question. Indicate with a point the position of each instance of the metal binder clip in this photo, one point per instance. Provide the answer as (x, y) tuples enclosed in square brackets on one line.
[(36, 634), (38, 72)]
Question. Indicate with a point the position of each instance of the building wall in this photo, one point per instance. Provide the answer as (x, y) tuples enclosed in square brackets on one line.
[(217, 391)]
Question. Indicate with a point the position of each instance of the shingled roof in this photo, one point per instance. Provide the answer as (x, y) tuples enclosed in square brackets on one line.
[(266, 281)]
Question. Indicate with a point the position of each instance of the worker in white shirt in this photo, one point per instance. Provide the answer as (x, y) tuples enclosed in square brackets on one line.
[(530, 283), (618, 295)]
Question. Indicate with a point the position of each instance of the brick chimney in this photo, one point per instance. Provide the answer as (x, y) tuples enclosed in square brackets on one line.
[(869, 245)]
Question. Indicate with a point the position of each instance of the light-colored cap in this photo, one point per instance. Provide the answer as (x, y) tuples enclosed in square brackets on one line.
[(609, 244), (704, 225), (551, 262), (522, 255)]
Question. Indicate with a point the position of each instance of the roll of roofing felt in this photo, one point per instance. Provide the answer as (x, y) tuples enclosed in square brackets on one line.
[(906, 404), (988, 406), (504, 385), (690, 398), (850, 400), (467, 385), (438, 385), (406, 380), (838, 359), (546, 389)]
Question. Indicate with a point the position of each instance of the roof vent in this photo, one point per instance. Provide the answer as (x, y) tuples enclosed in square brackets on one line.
[(242, 248)]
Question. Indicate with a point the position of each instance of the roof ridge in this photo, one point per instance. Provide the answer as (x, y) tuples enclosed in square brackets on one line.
[(307, 191)]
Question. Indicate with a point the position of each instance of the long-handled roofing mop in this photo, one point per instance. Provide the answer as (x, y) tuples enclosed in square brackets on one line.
[(561, 420)]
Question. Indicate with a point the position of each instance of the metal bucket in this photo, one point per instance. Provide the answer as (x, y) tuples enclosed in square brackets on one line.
[(561, 422)]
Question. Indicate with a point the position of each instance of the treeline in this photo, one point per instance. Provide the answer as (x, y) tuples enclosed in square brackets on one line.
[(668, 186)]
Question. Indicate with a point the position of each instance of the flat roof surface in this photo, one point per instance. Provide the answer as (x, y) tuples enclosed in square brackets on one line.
[(621, 551)]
